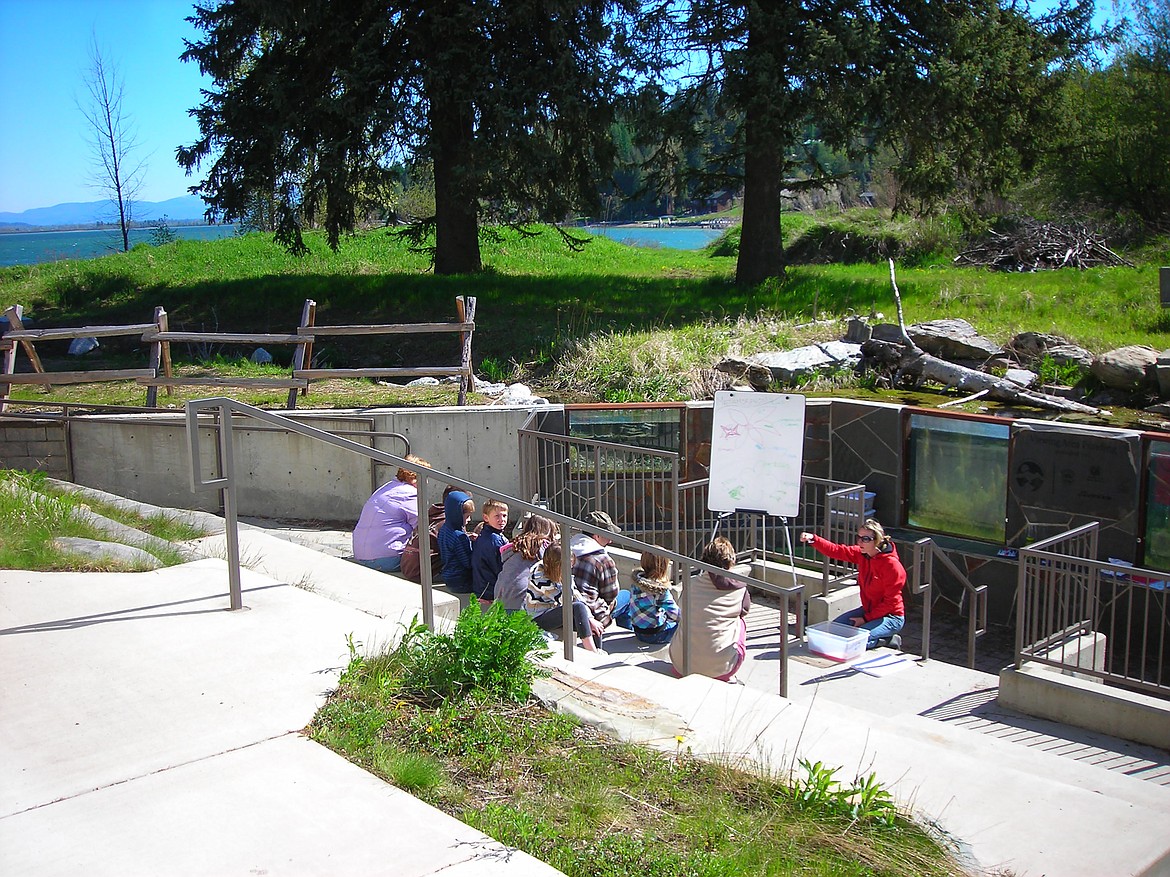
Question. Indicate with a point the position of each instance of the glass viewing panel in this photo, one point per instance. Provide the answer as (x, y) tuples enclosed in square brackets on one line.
[(1157, 552), (656, 428), (958, 477)]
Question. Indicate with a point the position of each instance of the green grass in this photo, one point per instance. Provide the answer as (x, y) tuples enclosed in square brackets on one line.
[(585, 803), (608, 322), (33, 513)]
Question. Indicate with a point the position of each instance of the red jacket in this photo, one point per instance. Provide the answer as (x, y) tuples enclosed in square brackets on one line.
[(880, 578)]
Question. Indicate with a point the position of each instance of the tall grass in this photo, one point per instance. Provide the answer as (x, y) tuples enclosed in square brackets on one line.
[(33, 513), (541, 303)]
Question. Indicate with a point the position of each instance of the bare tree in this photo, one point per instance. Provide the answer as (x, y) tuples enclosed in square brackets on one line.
[(118, 171)]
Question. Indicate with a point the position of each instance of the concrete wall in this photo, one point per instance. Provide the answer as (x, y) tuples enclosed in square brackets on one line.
[(34, 445), (281, 475), (1038, 691)]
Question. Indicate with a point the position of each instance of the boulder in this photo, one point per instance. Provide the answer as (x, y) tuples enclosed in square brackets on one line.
[(888, 333), (1033, 346), (858, 330), (1126, 368), (756, 375), (952, 339), (1162, 373), (788, 365), (1021, 376)]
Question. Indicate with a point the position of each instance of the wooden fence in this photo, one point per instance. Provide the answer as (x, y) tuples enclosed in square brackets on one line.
[(160, 371)]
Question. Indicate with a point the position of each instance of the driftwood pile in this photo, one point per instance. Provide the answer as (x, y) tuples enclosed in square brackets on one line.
[(1040, 246)]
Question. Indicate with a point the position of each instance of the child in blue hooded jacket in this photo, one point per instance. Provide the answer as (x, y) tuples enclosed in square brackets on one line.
[(455, 543)]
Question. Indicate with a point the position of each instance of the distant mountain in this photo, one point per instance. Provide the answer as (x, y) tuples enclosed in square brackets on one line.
[(185, 207)]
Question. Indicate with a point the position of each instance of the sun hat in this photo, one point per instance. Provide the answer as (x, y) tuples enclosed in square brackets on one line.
[(602, 521)]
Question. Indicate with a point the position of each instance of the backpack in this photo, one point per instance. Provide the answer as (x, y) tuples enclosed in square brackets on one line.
[(411, 561)]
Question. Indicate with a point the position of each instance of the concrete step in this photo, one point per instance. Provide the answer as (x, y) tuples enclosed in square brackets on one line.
[(351, 584), (1002, 806)]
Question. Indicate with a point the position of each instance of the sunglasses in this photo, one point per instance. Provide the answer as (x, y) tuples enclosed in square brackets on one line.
[(865, 538)]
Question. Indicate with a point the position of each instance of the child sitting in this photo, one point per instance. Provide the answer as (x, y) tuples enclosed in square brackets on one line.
[(648, 608), (486, 559), (543, 600), (455, 542)]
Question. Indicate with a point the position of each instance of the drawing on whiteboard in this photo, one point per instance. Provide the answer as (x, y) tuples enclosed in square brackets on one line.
[(756, 452)]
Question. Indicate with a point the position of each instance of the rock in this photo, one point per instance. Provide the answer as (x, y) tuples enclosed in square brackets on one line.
[(113, 551), (1021, 376), (952, 339), (260, 356), (758, 376), (1126, 368), (889, 333), (1162, 373), (520, 394), (82, 346), (1032, 346), (858, 331), (787, 365), (423, 382), (488, 388)]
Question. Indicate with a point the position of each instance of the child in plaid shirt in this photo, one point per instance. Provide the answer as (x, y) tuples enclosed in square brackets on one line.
[(649, 608)]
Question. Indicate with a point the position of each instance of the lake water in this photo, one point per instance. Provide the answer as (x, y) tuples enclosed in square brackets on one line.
[(31, 248), (667, 236)]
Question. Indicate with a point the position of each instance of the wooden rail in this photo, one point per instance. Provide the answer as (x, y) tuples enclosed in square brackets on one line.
[(160, 371)]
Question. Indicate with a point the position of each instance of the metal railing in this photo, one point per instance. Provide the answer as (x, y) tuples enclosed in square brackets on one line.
[(639, 488), (1109, 621), (635, 486), (218, 414)]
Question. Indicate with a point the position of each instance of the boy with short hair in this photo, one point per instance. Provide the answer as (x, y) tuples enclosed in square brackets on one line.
[(486, 559)]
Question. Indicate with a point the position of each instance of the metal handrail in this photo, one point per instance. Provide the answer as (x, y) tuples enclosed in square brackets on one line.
[(921, 576), (222, 410), (976, 619)]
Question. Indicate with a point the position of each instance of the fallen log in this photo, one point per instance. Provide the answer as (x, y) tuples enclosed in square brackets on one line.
[(918, 364)]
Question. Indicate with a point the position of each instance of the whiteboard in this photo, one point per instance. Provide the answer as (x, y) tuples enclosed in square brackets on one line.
[(757, 448)]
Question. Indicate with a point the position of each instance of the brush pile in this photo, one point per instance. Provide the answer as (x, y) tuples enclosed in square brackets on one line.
[(1041, 246)]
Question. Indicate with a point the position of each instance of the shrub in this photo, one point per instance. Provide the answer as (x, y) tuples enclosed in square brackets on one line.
[(490, 653)]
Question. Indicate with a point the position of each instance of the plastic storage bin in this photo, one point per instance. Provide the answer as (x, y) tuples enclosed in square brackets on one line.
[(838, 642)]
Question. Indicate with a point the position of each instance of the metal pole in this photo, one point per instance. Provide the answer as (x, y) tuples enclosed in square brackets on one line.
[(422, 529), (568, 635), (231, 527)]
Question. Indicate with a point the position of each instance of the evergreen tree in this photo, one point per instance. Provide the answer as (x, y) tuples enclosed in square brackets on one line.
[(930, 76), (314, 101)]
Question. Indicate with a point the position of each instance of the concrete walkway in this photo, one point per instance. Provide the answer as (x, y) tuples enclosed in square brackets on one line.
[(144, 729)]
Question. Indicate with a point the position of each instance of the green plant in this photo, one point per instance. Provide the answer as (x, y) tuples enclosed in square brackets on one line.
[(819, 789), (495, 370), (870, 801), (1067, 373), (867, 800), (489, 652), (414, 772)]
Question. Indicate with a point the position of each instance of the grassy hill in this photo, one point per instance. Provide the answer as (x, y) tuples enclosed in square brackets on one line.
[(643, 318)]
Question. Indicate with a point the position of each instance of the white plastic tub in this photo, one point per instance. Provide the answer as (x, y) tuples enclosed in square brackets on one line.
[(838, 642)]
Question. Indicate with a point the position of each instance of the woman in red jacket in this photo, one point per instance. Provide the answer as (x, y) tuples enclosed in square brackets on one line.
[(880, 577)]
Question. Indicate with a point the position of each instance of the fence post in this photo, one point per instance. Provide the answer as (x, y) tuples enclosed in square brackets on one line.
[(156, 358), (14, 314), (303, 358), (465, 308)]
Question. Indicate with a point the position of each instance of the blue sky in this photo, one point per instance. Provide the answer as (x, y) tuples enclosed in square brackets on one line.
[(45, 157)]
